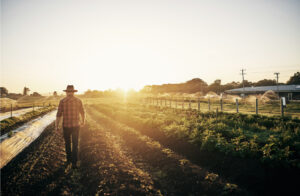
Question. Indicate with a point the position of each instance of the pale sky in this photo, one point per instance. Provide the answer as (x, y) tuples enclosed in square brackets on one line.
[(47, 45)]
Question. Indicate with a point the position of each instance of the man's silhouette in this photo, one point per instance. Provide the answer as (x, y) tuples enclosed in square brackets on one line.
[(69, 109)]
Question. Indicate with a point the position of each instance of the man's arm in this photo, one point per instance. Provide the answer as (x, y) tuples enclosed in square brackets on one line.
[(58, 115), (82, 113), (57, 123)]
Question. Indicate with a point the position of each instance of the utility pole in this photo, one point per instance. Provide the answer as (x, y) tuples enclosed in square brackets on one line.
[(277, 77), (243, 73)]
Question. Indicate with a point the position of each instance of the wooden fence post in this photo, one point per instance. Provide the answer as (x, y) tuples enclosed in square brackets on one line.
[(11, 110), (190, 103), (237, 105), (217, 110), (281, 107), (183, 103), (256, 106), (198, 104), (221, 104), (208, 104)]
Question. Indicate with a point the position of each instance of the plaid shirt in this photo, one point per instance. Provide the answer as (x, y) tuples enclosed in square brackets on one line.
[(70, 108)]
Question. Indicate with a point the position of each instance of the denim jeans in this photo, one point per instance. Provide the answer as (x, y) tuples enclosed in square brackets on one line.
[(71, 132)]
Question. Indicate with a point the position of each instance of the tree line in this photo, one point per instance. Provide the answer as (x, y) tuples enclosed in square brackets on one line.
[(199, 85)]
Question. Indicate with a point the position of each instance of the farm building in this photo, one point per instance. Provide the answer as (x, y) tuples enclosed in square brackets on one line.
[(291, 92)]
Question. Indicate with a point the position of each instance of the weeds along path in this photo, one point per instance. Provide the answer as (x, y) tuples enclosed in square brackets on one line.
[(171, 173)]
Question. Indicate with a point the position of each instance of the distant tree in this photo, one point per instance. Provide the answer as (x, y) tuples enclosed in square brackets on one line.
[(3, 92), (215, 87), (295, 79), (55, 94), (217, 81), (93, 94), (246, 84), (36, 94), (146, 89), (14, 95), (265, 82), (231, 85), (191, 86)]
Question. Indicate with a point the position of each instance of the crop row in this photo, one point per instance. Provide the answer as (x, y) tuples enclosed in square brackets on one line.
[(165, 166), (272, 140)]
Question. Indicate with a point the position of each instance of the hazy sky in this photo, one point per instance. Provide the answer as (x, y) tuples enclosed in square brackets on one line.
[(108, 44)]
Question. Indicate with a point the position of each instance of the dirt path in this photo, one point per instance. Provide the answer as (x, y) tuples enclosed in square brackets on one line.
[(104, 167), (34, 169), (105, 164)]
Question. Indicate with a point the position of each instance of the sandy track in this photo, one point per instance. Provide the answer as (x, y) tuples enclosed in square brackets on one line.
[(104, 167)]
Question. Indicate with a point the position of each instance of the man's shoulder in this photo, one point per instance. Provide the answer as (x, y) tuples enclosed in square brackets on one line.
[(63, 100), (77, 99)]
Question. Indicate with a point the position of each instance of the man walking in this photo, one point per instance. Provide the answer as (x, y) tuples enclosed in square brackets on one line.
[(69, 109)]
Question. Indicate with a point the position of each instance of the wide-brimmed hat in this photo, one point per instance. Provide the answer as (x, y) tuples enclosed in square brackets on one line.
[(70, 88)]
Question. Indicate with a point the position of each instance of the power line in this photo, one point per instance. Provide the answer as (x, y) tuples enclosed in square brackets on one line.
[(277, 77), (243, 73)]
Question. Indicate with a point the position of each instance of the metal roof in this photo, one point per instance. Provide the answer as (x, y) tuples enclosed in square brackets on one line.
[(262, 89)]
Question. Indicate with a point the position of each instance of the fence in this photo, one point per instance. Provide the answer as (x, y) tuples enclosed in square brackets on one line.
[(15, 107), (255, 106)]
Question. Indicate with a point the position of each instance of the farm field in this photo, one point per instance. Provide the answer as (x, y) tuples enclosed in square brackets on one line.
[(16, 113), (114, 159), (26, 102), (247, 106), (134, 98), (264, 149), (137, 149), (7, 125)]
